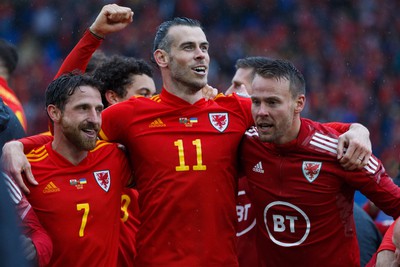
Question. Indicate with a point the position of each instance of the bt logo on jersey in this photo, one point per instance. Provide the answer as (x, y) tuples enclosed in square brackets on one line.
[(287, 225), (245, 213)]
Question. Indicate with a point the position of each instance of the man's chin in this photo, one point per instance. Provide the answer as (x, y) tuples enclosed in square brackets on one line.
[(265, 138)]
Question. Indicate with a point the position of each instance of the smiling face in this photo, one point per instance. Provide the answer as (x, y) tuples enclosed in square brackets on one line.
[(188, 57), (275, 111), (80, 121)]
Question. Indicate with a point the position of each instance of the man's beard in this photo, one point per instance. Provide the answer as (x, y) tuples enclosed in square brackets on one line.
[(76, 137)]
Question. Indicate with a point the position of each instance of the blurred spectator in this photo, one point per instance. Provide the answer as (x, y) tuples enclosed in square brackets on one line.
[(10, 127), (8, 63)]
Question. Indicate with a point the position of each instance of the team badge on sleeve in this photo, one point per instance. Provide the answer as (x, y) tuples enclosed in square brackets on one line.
[(103, 179), (219, 120), (311, 170)]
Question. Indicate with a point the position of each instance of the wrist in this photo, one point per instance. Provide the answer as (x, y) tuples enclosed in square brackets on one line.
[(95, 34)]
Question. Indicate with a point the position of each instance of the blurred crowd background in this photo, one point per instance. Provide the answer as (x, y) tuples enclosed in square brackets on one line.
[(349, 50)]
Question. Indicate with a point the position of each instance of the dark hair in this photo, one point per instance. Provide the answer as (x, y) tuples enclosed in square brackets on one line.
[(252, 63), (116, 72), (95, 61), (8, 56), (161, 40), (283, 69), (59, 90)]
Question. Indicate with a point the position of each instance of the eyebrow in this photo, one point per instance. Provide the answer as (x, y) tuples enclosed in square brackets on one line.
[(192, 43)]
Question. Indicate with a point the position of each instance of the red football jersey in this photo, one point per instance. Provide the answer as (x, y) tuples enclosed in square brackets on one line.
[(387, 242), (184, 159), (129, 227), (246, 232), (303, 198), (79, 205)]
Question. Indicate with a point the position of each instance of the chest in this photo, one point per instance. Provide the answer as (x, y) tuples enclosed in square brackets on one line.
[(185, 137)]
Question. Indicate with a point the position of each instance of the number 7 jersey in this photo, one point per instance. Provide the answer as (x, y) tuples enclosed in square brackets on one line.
[(79, 206), (184, 160)]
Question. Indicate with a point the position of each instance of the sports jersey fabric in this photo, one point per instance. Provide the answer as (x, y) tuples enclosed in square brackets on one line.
[(246, 229), (79, 205), (303, 198), (183, 156), (129, 227), (10, 98), (387, 242)]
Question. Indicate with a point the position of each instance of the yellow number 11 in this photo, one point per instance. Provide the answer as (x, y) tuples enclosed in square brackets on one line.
[(181, 154)]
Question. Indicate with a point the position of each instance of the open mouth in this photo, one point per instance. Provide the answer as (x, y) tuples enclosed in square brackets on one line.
[(264, 126), (91, 133), (200, 69)]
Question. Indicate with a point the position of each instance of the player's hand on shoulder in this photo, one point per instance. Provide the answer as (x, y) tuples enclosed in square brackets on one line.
[(15, 164), (209, 92), (354, 147)]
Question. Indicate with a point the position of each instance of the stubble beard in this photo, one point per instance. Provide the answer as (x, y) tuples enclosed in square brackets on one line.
[(278, 133), (77, 138), (186, 80)]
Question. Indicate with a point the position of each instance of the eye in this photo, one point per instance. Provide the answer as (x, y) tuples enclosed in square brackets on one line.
[(204, 48), (272, 102), (255, 102)]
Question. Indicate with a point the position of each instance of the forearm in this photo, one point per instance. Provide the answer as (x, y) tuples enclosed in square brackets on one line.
[(34, 141)]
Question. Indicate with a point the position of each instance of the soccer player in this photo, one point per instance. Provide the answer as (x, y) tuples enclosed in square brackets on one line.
[(247, 254), (121, 77), (80, 179), (183, 150), (303, 198)]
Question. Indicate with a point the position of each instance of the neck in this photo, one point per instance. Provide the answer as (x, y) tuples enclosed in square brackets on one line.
[(187, 95), (69, 151), (183, 91), (292, 133)]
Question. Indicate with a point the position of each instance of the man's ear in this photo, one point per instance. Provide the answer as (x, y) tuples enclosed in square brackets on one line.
[(300, 103), (112, 97), (54, 113), (161, 57)]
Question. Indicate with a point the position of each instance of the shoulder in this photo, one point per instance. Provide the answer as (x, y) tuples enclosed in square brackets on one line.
[(232, 98), (318, 138), (37, 154), (105, 149), (105, 145)]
